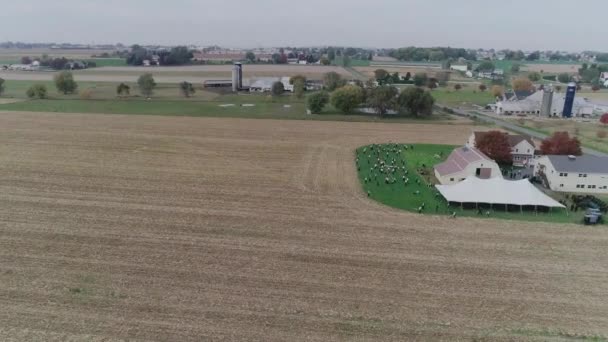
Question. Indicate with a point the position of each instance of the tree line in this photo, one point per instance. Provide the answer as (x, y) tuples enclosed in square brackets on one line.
[(347, 98)]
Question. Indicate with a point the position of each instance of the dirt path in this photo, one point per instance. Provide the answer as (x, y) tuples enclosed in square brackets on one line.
[(186, 229)]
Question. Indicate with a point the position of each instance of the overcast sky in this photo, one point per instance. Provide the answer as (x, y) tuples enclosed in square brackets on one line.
[(521, 24)]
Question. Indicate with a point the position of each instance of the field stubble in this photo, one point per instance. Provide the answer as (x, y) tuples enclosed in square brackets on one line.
[(176, 228)]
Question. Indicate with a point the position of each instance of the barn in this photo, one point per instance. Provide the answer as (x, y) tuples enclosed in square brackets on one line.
[(464, 162)]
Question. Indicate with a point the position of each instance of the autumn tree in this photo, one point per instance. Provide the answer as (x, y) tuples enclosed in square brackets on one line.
[(332, 81), (522, 84), (295, 78), (457, 86), (498, 91), (278, 88), (604, 119), (483, 87), (560, 143), (146, 84), (415, 101), (64, 81), (495, 144), (601, 134), (347, 98), (380, 74), (317, 101), (595, 87), (187, 89), (123, 89), (382, 98), (299, 87)]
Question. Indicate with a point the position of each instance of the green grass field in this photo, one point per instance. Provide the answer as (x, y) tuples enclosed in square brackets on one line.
[(389, 187), (467, 96), (102, 62), (353, 62)]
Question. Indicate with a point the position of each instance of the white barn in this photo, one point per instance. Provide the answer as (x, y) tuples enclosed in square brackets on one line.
[(464, 162), (583, 174)]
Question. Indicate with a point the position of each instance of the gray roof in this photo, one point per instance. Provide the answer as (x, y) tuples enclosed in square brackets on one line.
[(582, 164)]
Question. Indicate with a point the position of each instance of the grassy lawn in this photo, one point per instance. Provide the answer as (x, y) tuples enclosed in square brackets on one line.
[(390, 188), (468, 95)]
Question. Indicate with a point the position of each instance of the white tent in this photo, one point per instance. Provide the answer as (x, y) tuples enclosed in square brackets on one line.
[(497, 191)]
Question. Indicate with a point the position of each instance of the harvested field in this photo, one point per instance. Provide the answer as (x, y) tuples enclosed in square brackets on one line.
[(194, 74), (402, 70), (186, 229), (552, 67)]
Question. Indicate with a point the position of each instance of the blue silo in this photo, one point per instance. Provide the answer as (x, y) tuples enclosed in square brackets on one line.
[(569, 102)]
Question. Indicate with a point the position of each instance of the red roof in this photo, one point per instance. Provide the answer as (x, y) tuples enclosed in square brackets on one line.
[(459, 159)]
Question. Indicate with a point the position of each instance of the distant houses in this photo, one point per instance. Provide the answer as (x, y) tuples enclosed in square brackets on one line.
[(464, 162), (578, 174)]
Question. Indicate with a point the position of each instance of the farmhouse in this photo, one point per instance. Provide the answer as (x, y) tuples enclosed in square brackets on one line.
[(464, 162), (583, 174), (463, 67), (522, 148)]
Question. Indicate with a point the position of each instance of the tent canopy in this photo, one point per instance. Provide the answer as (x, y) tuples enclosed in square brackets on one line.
[(497, 191)]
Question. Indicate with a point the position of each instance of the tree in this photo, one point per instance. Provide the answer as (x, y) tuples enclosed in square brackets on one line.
[(178, 55), (604, 119), (295, 78), (498, 91), (515, 68), (317, 101), (483, 87), (595, 87), (26, 60), (457, 86), (432, 83), (522, 84), (325, 61), (601, 134), (558, 88), (250, 56), (332, 81), (331, 54), (37, 91), (495, 144), (347, 98), (485, 66), (187, 89), (442, 77), (146, 84), (2, 86), (380, 74), (564, 77), (123, 89), (534, 76), (415, 101), (408, 76), (278, 88), (382, 99), (420, 79), (560, 143), (299, 87), (64, 81)]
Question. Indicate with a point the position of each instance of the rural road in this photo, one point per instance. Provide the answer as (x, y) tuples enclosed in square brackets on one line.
[(521, 130)]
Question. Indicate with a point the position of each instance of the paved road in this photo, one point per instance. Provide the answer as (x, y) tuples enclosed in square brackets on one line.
[(512, 127)]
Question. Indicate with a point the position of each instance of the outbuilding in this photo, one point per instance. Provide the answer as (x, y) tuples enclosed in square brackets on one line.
[(464, 162)]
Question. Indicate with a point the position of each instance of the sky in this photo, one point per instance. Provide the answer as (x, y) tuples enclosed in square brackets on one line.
[(516, 24)]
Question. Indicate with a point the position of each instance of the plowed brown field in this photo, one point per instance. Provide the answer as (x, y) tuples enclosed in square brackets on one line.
[(188, 229)]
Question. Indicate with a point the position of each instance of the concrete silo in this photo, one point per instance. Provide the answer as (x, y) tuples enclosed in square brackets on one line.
[(545, 109), (237, 77)]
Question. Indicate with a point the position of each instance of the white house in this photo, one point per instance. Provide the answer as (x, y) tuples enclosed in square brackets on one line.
[(522, 148), (464, 162), (583, 174)]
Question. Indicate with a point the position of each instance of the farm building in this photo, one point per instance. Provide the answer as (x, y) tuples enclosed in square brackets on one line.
[(464, 162), (497, 192), (264, 84), (522, 148), (532, 104), (462, 67), (582, 174)]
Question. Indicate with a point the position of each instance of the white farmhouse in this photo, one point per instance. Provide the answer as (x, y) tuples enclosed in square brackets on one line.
[(522, 148), (463, 68), (464, 162), (584, 174)]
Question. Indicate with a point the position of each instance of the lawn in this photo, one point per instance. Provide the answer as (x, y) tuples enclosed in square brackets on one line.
[(468, 95), (408, 189), (102, 62)]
